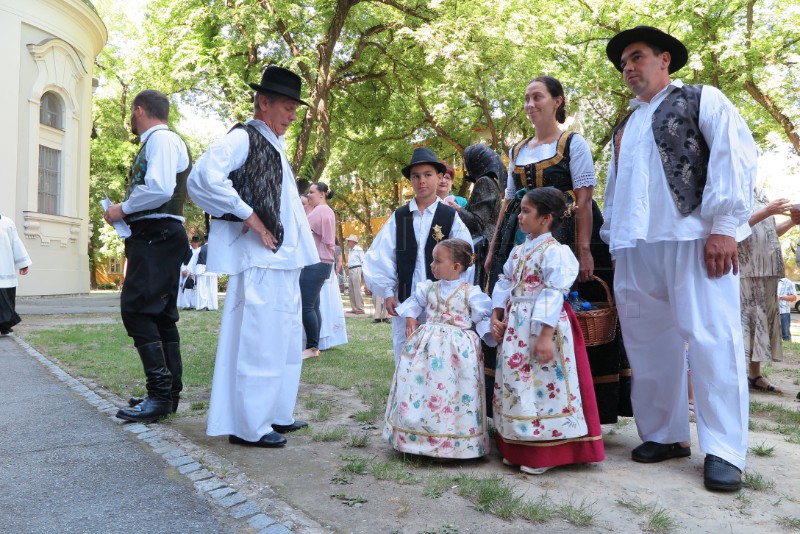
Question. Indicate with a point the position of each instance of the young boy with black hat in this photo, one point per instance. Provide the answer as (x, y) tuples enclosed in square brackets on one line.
[(401, 254)]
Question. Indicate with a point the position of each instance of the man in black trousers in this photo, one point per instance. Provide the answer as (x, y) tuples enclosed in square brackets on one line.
[(153, 207)]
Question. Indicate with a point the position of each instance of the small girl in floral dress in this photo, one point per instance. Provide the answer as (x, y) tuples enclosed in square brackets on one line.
[(545, 411), (436, 405)]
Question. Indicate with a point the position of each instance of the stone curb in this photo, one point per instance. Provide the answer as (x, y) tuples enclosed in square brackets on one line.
[(205, 482)]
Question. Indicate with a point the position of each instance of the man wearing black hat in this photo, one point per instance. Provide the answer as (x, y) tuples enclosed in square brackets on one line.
[(153, 207), (260, 236), (677, 200), (402, 252)]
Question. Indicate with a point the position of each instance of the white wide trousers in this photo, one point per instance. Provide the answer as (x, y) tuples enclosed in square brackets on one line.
[(257, 370), (664, 296)]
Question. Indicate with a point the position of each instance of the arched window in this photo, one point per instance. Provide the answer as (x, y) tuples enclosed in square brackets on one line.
[(51, 141), (51, 111)]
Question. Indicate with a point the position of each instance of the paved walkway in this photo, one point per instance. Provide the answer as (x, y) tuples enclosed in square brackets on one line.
[(68, 465)]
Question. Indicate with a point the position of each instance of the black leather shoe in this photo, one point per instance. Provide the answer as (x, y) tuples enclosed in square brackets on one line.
[(721, 475), (268, 441), (651, 452), (135, 401), (376, 321), (283, 429), (148, 411)]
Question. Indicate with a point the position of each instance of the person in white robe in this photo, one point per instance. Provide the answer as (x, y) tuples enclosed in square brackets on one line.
[(13, 259), (255, 384), (380, 262), (674, 236), (207, 283), (186, 295)]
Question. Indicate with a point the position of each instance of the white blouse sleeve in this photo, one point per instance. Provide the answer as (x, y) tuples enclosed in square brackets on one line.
[(414, 305), (380, 262), (581, 166), (480, 306), (502, 289), (559, 271)]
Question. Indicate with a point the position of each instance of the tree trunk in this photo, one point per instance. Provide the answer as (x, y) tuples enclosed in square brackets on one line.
[(775, 111)]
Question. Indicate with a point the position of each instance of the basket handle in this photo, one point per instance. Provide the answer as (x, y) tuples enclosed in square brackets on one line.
[(605, 286)]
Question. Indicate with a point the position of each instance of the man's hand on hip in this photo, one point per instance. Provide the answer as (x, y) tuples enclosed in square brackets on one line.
[(720, 255), (254, 223)]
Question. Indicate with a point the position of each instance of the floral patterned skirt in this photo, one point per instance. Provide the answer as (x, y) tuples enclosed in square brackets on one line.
[(584, 449), (533, 401), (436, 405)]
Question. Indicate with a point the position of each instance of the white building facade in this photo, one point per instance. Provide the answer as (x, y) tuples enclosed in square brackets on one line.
[(46, 104)]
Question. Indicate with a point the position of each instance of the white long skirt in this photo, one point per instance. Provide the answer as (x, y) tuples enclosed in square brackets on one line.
[(333, 331), (207, 290), (259, 355)]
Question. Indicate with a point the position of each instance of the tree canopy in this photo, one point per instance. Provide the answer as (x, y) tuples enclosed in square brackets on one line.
[(383, 76)]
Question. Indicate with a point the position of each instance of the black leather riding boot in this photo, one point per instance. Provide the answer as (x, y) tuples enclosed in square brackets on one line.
[(158, 402), (172, 355)]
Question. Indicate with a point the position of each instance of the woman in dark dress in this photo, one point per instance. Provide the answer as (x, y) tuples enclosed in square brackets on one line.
[(563, 160)]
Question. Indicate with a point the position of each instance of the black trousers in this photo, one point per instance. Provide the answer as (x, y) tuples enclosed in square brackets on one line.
[(154, 251)]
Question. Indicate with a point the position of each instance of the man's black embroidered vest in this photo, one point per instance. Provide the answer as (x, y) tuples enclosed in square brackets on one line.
[(173, 206), (683, 149), (406, 240), (259, 182)]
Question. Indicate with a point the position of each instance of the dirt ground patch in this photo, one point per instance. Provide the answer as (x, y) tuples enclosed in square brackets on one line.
[(614, 494), (306, 473)]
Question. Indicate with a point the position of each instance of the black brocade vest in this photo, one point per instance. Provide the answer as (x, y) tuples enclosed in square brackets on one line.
[(683, 149), (173, 206), (259, 182), (406, 241)]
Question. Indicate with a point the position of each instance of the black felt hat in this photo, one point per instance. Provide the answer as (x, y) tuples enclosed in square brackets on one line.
[(649, 35), (420, 156), (280, 81)]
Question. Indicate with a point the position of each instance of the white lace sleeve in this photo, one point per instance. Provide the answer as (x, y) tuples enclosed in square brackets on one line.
[(581, 166)]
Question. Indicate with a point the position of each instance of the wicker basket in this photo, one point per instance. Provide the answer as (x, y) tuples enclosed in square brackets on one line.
[(599, 326)]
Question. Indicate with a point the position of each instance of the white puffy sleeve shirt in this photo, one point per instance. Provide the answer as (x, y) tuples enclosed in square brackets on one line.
[(638, 203), (479, 303), (229, 250), (380, 262), (559, 271)]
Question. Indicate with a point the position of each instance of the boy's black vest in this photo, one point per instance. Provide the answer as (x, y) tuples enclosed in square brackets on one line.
[(259, 182), (173, 206), (681, 145), (406, 241)]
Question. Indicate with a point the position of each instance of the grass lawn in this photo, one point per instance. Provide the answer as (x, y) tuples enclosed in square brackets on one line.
[(105, 354)]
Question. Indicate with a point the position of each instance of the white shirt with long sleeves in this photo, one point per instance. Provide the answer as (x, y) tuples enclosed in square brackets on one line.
[(638, 203), (166, 155), (355, 257), (559, 271), (230, 251), (480, 305), (13, 255), (380, 263)]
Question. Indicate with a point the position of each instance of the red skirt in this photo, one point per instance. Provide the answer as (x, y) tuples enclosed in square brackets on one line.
[(588, 448)]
